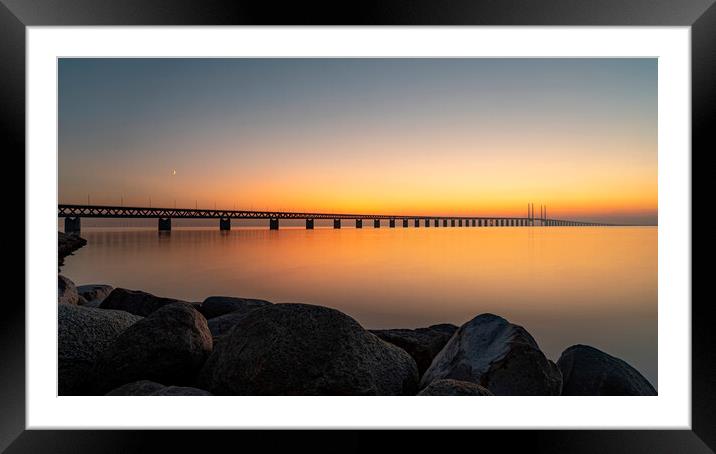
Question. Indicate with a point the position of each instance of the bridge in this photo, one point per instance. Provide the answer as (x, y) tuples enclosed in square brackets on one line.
[(74, 213)]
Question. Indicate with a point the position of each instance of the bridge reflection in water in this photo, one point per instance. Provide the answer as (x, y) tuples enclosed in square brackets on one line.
[(74, 213)]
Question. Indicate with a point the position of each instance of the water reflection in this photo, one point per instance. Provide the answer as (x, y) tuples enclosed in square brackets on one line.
[(565, 285)]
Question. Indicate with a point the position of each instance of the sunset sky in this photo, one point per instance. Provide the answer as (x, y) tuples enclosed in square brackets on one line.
[(402, 136)]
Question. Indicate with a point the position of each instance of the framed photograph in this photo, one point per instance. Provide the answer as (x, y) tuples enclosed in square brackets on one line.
[(418, 216)]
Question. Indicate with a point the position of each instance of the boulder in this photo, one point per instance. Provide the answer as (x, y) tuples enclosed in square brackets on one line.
[(445, 328), (421, 343), (135, 301), (66, 291), (150, 388), (587, 371), (82, 334), (494, 353), (168, 346), (215, 306), (300, 349), (67, 244), (448, 387), (221, 325), (93, 294)]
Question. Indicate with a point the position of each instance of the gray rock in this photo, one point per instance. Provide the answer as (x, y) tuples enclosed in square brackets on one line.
[(221, 325), (587, 371), (66, 291), (181, 391), (67, 244), (93, 294), (445, 328), (448, 387), (215, 306), (168, 346), (137, 388), (494, 353), (150, 388), (300, 349), (82, 334), (421, 343), (135, 301)]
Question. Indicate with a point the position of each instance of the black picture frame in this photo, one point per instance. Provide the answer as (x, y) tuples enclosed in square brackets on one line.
[(16, 15)]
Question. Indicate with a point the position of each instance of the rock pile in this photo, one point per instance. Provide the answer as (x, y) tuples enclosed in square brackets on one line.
[(127, 342)]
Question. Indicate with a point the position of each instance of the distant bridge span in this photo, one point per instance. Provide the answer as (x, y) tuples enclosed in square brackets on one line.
[(73, 214)]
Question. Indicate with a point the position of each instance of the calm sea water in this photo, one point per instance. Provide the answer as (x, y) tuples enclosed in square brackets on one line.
[(595, 286)]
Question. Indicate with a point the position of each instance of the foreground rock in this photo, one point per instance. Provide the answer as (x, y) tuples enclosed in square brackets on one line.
[(135, 301), (67, 244), (220, 326), (82, 334), (300, 349), (500, 356), (150, 388), (94, 294), (66, 291), (448, 387), (215, 306), (422, 343), (168, 346), (587, 371)]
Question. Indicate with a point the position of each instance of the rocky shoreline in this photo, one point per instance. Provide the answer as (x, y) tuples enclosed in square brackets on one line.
[(128, 342), (67, 244)]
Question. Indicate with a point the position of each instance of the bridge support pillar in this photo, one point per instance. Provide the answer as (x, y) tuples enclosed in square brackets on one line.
[(273, 223), (309, 224), (405, 222), (336, 223), (436, 223), (452, 222), (392, 223), (444, 222), (427, 223), (72, 225), (417, 223), (359, 223), (165, 224), (224, 223), (376, 223), (459, 222), (473, 223)]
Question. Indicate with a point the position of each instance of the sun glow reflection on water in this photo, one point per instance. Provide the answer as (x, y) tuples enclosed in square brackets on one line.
[(596, 286)]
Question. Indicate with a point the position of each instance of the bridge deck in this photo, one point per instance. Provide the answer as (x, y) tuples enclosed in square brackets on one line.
[(115, 212)]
